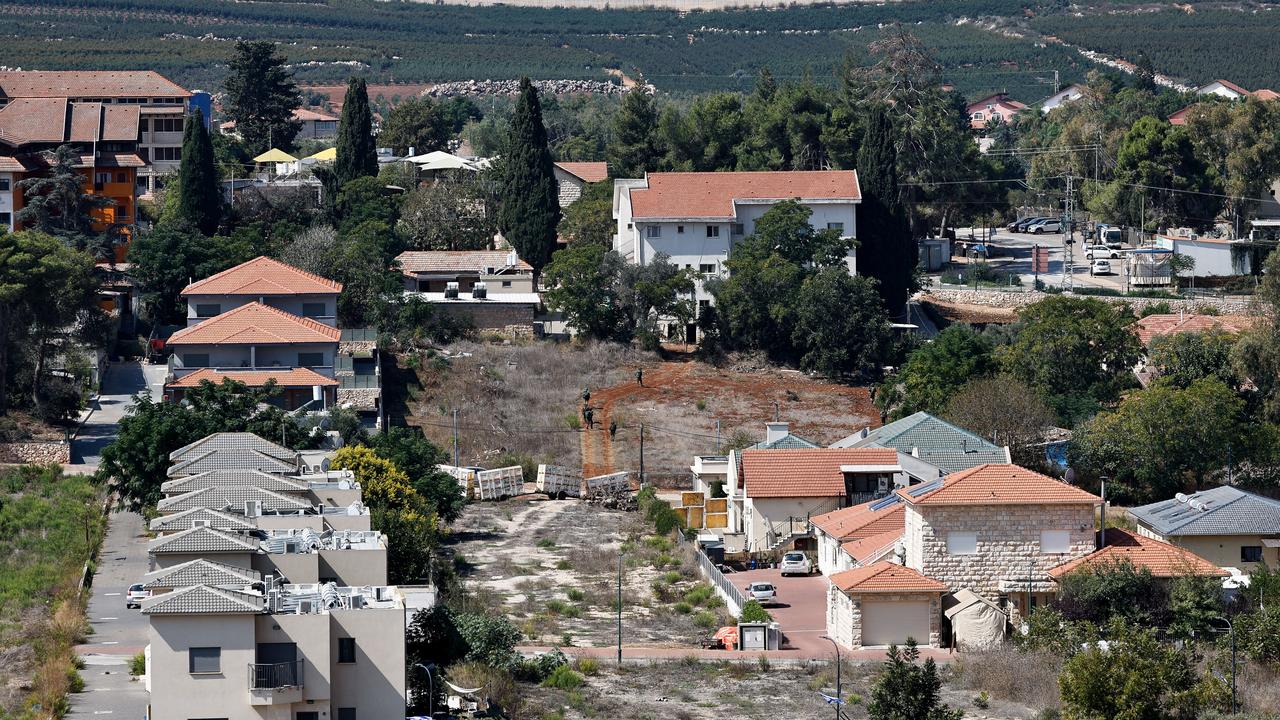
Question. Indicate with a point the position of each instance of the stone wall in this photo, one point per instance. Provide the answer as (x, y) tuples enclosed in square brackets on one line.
[(850, 610), (1008, 544), (1015, 300), (360, 398), (36, 452), (505, 319), (353, 347)]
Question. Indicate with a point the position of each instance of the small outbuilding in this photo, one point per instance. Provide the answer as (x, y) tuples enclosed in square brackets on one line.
[(884, 604), (976, 622)]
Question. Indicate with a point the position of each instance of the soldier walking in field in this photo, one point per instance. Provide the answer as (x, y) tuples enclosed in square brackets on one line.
[(613, 428), (587, 415), (640, 377)]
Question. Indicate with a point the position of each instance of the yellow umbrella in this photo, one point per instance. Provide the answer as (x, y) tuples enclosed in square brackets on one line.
[(275, 156), (328, 154)]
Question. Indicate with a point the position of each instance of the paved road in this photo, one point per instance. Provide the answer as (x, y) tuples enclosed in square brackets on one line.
[(801, 609), (1018, 259), (122, 382), (118, 633)]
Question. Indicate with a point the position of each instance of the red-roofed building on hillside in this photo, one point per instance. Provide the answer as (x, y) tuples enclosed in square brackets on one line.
[(998, 108), (1161, 559), (695, 218), (1153, 326), (572, 177), (269, 282), (316, 125), (884, 603), (848, 536)]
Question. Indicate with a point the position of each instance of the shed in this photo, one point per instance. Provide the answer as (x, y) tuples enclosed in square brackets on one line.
[(976, 622)]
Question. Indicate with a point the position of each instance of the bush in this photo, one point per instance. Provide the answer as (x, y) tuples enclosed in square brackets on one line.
[(1258, 635), (588, 666), (907, 690), (575, 595), (1158, 308), (753, 611), (564, 678), (538, 669), (138, 664), (683, 608), (699, 594), (1027, 677), (706, 619)]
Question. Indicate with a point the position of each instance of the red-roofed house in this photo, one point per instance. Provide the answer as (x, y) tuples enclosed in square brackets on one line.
[(1223, 88), (1159, 325), (998, 107), (695, 218), (844, 536), (1161, 559), (884, 603), (316, 125), (572, 177), (269, 282)]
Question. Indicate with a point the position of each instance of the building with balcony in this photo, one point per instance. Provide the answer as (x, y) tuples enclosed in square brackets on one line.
[(268, 282), (249, 651)]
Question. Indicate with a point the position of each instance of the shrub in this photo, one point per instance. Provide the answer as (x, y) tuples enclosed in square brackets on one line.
[(546, 543), (701, 404), (982, 701), (683, 608), (670, 577), (557, 607), (753, 611), (699, 594), (575, 594), (537, 669), (588, 666), (1156, 308), (564, 565), (138, 664), (905, 689), (564, 678)]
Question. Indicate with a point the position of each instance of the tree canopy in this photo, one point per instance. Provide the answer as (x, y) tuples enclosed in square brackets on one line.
[(357, 155), (261, 97), (199, 189), (529, 204)]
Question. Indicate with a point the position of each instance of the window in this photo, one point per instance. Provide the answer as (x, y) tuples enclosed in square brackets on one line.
[(713, 231), (311, 359), (101, 178), (143, 124), (168, 154), (679, 229), (962, 543), (204, 660), (308, 715), (166, 125), (506, 283), (208, 309), (1055, 541), (346, 650), (5, 220), (1251, 553), (313, 310), (978, 116), (837, 226), (653, 231), (737, 228), (346, 714), (707, 268), (195, 360), (122, 177), (4, 184)]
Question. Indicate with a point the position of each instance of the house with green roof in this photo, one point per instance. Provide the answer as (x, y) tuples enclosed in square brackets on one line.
[(931, 439)]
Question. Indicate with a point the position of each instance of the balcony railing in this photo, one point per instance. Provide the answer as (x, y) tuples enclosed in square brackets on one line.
[(275, 676), (355, 382)]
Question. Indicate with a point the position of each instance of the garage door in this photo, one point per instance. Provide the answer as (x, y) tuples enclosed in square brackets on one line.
[(891, 623)]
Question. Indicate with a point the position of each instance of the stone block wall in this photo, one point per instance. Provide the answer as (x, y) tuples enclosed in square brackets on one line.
[(506, 319), (360, 398), (1008, 544), (1015, 300), (35, 452)]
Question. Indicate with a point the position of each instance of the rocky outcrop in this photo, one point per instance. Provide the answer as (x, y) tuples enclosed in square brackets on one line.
[(1015, 300), (512, 87), (36, 452)]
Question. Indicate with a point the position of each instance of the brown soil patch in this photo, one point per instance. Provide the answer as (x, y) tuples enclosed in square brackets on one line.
[(335, 93), (972, 314)]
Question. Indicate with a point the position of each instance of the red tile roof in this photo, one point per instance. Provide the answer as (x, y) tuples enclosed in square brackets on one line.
[(255, 323), (456, 261), (861, 550), (1154, 326), (305, 114), (54, 120), (586, 171), (860, 521), (1265, 94), (1180, 117), (87, 83), (885, 577), (1162, 559), (263, 276), (288, 377), (712, 194), (1230, 86), (998, 485), (806, 473)]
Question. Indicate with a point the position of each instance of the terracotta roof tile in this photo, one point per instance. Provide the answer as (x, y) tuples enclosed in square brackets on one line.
[(712, 194), (256, 323), (87, 83), (306, 114), (289, 377), (997, 485), (1153, 326), (86, 122), (806, 473), (860, 521), (1230, 86), (885, 577), (1265, 94), (1162, 559), (42, 120), (452, 261), (586, 171), (868, 547), (120, 122), (1179, 117), (263, 276)]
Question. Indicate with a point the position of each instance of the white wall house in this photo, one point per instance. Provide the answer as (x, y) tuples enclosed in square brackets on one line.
[(6, 201), (695, 218), (1062, 97), (1212, 256)]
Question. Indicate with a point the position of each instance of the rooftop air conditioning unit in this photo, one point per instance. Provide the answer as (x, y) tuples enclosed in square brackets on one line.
[(480, 291), (253, 508), (451, 290)]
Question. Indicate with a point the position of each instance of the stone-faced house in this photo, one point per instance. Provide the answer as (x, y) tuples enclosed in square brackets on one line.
[(885, 604)]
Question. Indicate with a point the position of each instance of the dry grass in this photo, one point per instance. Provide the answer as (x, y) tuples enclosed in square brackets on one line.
[(1005, 673)]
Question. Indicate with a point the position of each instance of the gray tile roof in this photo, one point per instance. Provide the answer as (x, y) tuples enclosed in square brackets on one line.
[(934, 440), (202, 540), (230, 498), (202, 599), (216, 478), (1217, 511), (186, 520), (201, 572), (786, 442), (229, 451)]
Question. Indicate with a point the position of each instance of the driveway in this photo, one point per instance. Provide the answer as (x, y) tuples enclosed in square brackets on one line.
[(118, 633), (801, 608), (121, 383)]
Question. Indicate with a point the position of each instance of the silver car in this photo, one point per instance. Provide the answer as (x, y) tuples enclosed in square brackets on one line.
[(762, 592), (795, 563)]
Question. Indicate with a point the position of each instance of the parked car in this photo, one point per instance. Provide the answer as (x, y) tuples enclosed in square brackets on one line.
[(137, 593), (1101, 251), (795, 563), (1024, 223), (1101, 267), (1045, 225), (1110, 236), (762, 592)]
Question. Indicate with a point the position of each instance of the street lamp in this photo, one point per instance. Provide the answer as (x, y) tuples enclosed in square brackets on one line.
[(431, 688), (839, 696), (1232, 630)]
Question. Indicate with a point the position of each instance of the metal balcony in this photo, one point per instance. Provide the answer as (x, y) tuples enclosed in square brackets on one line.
[(275, 676)]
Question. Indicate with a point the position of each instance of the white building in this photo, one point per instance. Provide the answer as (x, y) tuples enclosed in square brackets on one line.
[(1067, 94), (6, 194)]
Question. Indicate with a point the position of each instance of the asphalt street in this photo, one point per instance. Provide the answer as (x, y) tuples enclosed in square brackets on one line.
[(121, 383), (1016, 257)]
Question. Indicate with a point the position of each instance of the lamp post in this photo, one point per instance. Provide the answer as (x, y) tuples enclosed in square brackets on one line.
[(1232, 630), (839, 697), (431, 688)]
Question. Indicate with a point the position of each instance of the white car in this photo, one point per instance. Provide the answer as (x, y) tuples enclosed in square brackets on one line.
[(137, 593), (1101, 251), (1101, 267), (795, 563), (762, 592)]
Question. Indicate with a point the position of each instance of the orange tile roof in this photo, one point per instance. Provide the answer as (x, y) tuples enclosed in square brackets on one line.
[(48, 120), (586, 171), (87, 83), (255, 323), (811, 472), (287, 377), (885, 577), (860, 521), (1265, 94), (305, 114), (862, 549), (1180, 117), (997, 485), (1230, 86), (448, 261), (1154, 326), (1162, 559), (712, 194), (263, 276)]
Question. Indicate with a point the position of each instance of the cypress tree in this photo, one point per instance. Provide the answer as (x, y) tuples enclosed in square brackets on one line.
[(887, 251), (357, 156), (199, 197), (529, 208), (635, 131)]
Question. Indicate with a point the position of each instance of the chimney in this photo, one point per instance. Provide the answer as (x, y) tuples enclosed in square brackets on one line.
[(775, 431)]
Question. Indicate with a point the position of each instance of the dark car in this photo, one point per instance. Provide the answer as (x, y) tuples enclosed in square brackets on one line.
[(1025, 223)]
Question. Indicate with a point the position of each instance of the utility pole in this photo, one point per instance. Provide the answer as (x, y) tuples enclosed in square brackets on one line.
[(642, 455), (717, 436), (619, 606), (455, 438), (1068, 257)]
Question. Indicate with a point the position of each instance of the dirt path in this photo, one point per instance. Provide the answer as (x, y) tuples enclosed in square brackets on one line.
[(597, 445)]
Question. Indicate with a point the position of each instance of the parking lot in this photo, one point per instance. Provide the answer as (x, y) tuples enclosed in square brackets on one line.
[(800, 607), (1012, 253)]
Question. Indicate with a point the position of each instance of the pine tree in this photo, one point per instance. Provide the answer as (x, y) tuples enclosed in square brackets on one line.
[(529, 207), (199, 197), (887, 251), (261, 97), (635, 146), (357, 156)]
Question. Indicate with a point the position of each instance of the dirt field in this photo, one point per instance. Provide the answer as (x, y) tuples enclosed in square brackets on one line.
[(335, 93), (972, 314), (526, 399)]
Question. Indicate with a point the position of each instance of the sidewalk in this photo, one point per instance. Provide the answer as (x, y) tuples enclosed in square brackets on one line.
[(649, 654)]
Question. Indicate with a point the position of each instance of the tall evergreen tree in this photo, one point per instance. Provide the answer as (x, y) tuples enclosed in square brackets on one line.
[(357, 156), (635, 145), (261, 97), (529, 208), (887, 251), (199, 197)]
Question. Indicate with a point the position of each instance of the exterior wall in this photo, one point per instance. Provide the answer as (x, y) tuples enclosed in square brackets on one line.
[(40, 453), (347, 522), (355, 567), (760, 512), (1212, 257), (176, 694), (828, 553), (508, 319), (1221, 550), (1008, 543), (335, 497), (289, 303), (149, 140), (569, 187), (840, 618), (6, 200), (261, 356), (161, 561), (311, 633), (294, 567), (844, 615), (520, 282), (375, 683), (289, 522)]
